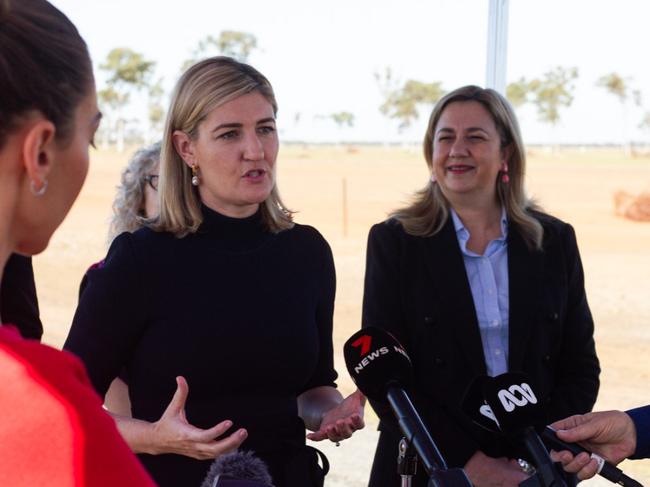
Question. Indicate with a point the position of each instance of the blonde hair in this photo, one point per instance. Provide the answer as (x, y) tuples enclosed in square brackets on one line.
[(128, 206), (429, 211), (203, 87)]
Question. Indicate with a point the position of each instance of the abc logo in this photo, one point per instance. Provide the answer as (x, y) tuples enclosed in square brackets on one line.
[(516, 395)]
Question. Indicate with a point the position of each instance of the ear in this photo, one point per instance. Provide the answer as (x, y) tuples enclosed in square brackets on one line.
[(39, 150), (506, 154), (184, 146)]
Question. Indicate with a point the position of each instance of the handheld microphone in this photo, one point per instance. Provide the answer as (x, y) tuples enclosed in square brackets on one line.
[(476, 408), (607, 470), (238, 469), (381, 369), (517, 411)]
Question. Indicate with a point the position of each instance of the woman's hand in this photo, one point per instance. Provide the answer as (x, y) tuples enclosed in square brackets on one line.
[(484, 471), (341, 421), (172, 433)]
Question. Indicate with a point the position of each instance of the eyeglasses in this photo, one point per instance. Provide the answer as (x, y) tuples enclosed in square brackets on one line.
[(152, 180)]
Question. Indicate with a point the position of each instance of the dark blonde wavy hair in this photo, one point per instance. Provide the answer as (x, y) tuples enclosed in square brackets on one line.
[(429, 210)]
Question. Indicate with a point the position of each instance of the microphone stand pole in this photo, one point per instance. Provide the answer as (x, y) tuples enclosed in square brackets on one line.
[(407, 463)]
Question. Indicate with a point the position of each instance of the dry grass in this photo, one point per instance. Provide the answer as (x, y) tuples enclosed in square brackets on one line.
[(575, 186)]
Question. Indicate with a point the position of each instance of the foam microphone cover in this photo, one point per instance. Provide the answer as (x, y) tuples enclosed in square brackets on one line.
[(476, 408), (238, 469), (375, 361), (513, 402)]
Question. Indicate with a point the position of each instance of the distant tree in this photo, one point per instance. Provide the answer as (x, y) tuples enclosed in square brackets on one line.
[(403, 103), (110, 103), (156, 110), (616, 85), (128, 71), (621, 88), (238, 45), (645, 122), (518, 92), (552, 92), (343, 118)]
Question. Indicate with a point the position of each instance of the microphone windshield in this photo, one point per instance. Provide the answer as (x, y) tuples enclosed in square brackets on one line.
[(238, 469), (375, 361), (475, 407), (513, 402)]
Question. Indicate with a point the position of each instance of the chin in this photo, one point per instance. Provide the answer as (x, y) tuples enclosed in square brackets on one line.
[(33, 246)]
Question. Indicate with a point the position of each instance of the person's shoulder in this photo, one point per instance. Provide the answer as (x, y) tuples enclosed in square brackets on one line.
[(391, 228), (552, 225), (305, 235)]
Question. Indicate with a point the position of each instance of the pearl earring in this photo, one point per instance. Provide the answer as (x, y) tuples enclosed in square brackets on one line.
[(195, 175), (433, 178)]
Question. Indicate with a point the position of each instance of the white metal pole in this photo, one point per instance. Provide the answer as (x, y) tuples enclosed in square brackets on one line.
[(497, 46)]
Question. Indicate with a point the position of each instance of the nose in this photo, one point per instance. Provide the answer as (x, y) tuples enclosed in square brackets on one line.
[(458, 148), (253, 148)]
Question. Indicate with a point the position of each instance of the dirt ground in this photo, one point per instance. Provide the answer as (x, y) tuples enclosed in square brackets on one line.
[(577, 186)]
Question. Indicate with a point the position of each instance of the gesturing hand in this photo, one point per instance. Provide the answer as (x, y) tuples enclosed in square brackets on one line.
[(341, 421), (172, 433)]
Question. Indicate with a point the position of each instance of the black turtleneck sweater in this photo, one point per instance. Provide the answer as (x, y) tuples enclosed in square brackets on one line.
[(243, 314)]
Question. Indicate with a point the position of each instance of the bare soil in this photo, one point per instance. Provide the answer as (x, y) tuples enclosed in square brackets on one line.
[(576, 186)]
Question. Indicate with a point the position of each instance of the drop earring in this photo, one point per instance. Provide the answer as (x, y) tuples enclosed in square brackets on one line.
[(433, 178), (195, 175), (505, 179)]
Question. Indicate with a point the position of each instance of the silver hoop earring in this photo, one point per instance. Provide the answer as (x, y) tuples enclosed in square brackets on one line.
[(38, 192)]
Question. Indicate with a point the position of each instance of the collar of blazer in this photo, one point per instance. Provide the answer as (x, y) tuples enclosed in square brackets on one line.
[(457, 310)]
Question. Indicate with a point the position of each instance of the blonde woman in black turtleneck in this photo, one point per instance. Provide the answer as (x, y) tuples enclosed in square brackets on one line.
[(223, 306)]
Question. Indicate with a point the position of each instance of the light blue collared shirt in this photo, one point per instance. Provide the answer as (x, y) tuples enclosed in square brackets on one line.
[(488, 279)]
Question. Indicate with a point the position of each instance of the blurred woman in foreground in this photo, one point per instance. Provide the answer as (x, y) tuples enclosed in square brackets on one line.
[(53, 430)]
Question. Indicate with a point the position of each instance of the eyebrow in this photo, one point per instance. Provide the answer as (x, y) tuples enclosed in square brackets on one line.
[(469, 129), (236, 125)]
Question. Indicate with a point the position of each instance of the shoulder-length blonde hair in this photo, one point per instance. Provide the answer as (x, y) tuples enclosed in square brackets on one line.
[(203, 87), (429, 211)]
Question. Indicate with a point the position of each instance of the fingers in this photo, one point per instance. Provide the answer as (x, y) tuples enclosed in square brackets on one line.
[(177, 404), (567, 423), (582, 464), (338, 431), (212, 449)]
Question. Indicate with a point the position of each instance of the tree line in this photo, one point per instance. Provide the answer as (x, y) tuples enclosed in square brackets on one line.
[(128, 72)]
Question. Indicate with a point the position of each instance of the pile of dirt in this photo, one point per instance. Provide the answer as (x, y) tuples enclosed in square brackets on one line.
[(632, 207)]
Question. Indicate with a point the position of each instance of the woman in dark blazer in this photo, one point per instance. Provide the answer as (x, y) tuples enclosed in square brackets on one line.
[(473, 279)]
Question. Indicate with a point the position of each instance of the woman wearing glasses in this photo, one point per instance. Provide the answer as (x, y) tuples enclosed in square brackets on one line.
[(136, 201), (223, 305)]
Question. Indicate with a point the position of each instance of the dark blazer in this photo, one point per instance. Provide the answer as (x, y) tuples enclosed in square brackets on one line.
[(641, 418), (417, 288)]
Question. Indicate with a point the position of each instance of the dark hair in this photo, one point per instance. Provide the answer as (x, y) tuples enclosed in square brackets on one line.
[(44, 66)]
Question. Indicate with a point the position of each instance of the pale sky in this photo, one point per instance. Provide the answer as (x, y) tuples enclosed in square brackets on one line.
[(321, 56)]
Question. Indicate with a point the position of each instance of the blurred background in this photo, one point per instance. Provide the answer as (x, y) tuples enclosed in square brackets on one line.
[(355, 82)]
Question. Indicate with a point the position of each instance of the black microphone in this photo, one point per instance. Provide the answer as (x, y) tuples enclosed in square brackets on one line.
[(381, 369), (475, 407), (238, 469), (517, 411), (607, 470)]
